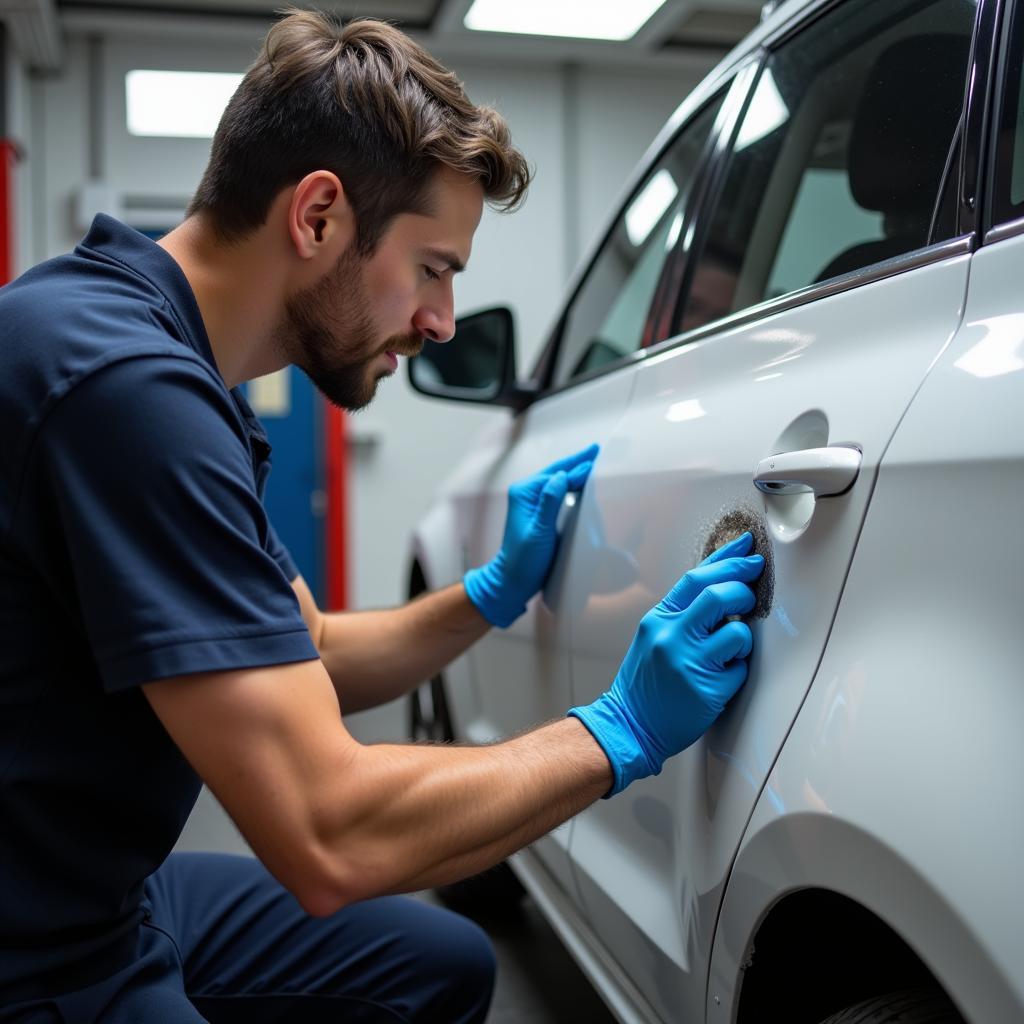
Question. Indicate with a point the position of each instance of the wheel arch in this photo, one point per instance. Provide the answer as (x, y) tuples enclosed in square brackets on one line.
[(802, 877), (816, 951), (433, 551), (417, 578)]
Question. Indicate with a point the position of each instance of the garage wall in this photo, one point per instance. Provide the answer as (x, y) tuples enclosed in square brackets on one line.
[(583, 130), (17, 116)]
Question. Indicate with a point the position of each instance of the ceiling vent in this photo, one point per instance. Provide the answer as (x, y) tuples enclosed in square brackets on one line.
[(33, 28), (704, 28)]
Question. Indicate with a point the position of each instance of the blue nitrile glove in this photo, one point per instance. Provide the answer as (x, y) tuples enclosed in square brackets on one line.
[(681, 669), (501, 588)]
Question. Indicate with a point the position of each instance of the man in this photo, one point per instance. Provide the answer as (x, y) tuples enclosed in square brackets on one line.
[(155, 634)]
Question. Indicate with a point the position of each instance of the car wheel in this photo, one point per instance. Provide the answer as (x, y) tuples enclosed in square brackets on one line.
[(429, 717), (913, 1006)]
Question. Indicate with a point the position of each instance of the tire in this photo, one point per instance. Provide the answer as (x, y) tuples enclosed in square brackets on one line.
[(429, 717), (911, 1006)]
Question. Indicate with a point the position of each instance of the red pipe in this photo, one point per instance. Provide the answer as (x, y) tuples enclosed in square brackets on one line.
[(336, 518), (8, 158)]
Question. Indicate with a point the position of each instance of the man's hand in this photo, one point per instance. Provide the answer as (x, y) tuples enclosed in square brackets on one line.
[(501, 588), (681, 669)]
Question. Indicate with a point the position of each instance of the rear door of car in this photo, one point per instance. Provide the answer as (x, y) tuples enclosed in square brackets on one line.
[(804, 305)]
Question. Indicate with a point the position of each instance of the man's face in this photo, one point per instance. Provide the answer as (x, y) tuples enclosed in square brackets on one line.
[(347, 330)]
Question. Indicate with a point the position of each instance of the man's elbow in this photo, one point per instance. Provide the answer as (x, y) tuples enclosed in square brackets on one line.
[(331, 880), (322, 895), (321, 900)]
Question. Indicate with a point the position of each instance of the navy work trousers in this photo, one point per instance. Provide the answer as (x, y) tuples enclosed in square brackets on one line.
[(223, 942)]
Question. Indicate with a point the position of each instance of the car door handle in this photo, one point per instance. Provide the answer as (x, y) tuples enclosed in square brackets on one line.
[(821, 471)]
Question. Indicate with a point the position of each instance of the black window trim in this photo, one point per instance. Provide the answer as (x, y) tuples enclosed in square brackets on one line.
[(712, 191), (996, 230), (735, 93), (980, 110), (694, 231)]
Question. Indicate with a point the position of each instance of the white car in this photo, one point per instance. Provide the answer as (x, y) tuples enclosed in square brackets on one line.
[(807, 319)]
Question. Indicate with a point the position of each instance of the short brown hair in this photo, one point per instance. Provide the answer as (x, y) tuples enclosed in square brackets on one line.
[(361, 100)]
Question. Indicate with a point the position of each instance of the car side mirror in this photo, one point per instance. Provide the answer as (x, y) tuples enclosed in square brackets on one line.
[(477, 365)]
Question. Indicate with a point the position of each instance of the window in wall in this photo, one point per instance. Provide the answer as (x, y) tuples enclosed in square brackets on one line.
[(607, 316), (840, 157), (182, 104)]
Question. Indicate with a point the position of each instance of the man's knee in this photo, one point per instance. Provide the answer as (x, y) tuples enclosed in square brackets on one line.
[(455, 968), (471, 965)]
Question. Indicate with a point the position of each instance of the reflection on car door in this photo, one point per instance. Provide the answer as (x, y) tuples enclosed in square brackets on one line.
[(823, 179)]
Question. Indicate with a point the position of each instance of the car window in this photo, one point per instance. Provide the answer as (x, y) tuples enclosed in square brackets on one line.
[(839, 158), (1008, 195), (606, 319)]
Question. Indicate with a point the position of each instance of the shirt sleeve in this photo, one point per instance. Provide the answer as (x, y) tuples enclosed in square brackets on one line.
[(148, 481), (280, 554)]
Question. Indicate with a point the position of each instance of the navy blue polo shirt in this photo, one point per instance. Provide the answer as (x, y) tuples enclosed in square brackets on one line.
[(133, 547)]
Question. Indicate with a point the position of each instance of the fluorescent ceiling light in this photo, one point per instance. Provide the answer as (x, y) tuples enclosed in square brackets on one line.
[(767, 111), (647, 209), (183, 104), (583, 19)]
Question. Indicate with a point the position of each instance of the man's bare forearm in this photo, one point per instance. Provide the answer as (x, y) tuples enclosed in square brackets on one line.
[(593, 781), (375, 656), (336, 821), (436, 814)]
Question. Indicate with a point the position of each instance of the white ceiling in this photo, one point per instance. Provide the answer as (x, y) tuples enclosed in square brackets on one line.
[(681, 30), (415, 13)]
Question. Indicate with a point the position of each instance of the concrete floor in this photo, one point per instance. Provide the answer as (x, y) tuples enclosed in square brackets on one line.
[(538, 982)]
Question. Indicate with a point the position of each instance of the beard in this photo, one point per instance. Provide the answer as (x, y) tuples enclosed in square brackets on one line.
[(327, 331)]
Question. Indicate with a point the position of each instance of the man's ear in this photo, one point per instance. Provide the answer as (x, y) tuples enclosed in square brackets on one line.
[(320, 220)]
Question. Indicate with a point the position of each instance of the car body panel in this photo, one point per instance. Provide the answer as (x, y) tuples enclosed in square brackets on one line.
[(899, 783), (651, 864)]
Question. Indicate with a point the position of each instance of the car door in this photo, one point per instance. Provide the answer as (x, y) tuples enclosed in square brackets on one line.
[(821, 280), (522, 672)]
